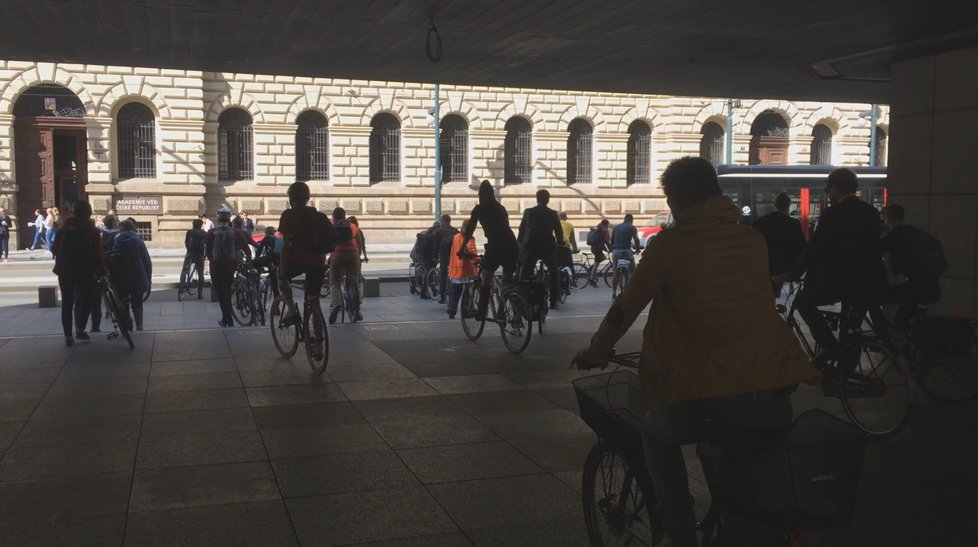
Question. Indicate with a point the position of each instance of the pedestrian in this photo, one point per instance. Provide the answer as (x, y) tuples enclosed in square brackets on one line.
[(5, 224), (208, 223), (111, 224), (77, 257), (461, 268), (130, 269), (38, 225), (446, 238), (248, 224), (49, 228), (195, 242), (223, 246)]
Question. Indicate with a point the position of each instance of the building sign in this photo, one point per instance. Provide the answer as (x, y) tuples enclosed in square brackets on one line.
[(146, 205)]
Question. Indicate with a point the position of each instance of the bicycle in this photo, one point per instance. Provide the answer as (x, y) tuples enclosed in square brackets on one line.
[(536, 290), (508, 308), (873, 386), (582, 272), (941, 353), (188, 287), (245, 300), (287, 331), (623, 269), (351, 289), (424, 281), (766, 488), (115, 310)]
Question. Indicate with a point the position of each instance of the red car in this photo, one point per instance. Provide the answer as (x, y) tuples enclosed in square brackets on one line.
[(659, 220)]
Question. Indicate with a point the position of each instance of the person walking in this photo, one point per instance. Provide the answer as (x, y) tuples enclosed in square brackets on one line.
[(5, 224), (77, 257), (223, 245), (38, 225), (130, 269), (446, 238), (461, 267), (49, 228)]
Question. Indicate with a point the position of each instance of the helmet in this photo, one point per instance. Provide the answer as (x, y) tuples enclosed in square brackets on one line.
[(224, 213)]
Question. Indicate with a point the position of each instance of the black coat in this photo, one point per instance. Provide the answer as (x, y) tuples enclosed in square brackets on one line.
[(785, 240), (540, 229), (844, 259)]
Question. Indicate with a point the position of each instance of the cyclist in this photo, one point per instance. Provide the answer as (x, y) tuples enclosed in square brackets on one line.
[(224, 244), (501, 246), (565, 253), (702, 366), (361, 239), (307, 235), (267, 257), (843, 260), (916, 255), (345, 258), (622, 238), (538, 229), (195, 241), (785, 240), (599, 246)]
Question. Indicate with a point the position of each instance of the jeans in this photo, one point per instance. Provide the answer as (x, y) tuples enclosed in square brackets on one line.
[(38, 236), (454, 295), (339, 264), (77, 293), (134, 301), (96, 309), (222, 280), (666, 429), (5, 245), (443, 274), (49, 237)]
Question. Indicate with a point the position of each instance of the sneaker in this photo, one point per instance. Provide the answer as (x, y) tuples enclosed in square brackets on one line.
[(359, 316), (82, 335), (333, 313), (69, 341)]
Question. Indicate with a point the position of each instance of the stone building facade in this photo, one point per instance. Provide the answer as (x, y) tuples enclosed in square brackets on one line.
[(186, 165)]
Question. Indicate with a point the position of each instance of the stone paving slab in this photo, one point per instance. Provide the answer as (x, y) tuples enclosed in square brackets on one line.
[(414, 436)]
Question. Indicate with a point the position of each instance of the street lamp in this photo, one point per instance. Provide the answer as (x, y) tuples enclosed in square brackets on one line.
[(731, 104), (873, 115)]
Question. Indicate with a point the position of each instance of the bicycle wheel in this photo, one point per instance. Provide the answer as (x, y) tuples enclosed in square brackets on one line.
[(241, 303), (947, 373), (285, 336), (469, 304), (257, 307), (191, 288), (514, 321), (608, 273), (317, 340), (433, 282), (622, 279), (418, 280), (121, 317), (876, 392), (579, 279), (351, 298), (565, 285), (619, 506)]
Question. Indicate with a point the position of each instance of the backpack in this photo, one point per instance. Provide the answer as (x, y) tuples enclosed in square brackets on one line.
[(344, 233), (224, 249), (419, 242), (926, 257), (423, 244), (593, 236), (311, 241)]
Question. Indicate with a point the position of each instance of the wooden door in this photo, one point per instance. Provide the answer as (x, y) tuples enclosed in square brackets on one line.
[(766, 150), (34, 169)]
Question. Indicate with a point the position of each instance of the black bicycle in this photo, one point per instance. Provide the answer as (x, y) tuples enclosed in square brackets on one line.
[(507, 307), (288, 329), (116, 311), (766, 489), (189, 287), (246, 307)]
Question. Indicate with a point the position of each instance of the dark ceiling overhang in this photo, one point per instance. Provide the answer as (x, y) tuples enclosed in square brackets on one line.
[(831, 50)]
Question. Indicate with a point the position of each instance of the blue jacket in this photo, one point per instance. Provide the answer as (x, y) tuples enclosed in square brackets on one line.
[(130, 268)]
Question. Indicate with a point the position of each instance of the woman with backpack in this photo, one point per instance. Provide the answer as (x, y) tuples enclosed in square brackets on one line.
[(77, 257), (130, 269), (599, 238)]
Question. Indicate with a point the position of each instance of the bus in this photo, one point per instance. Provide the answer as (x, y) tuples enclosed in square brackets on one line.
[(754, 187)]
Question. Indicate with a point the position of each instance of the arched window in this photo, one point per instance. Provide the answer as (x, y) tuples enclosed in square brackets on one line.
[(579, 148), (769, 139), (880, 146), (234, 145), (385, 148), (518, 151), (821, 145), (311, 147), (136, 141), (711, 143), (454, 149), (639, 153)]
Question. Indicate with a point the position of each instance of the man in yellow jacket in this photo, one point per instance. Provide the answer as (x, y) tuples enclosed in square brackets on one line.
[(714, 348)]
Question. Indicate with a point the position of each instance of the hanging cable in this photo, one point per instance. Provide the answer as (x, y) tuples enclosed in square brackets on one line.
[(433, 56)]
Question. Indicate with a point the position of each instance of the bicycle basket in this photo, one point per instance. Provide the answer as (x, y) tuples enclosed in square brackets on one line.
[(613, 405), (808, 482)]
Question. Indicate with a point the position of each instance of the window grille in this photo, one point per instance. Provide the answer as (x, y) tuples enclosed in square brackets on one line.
[(769, 124), (579, 145), (312, 147), (136, 141), (639, 153), (234, 145), (880, 146), (518, 151), (821, 145), (385, 148), (49, 100), (144, 230), (711, 143), (454, 149)]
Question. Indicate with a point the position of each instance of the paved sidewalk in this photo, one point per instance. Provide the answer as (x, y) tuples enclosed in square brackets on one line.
[(414, 436)]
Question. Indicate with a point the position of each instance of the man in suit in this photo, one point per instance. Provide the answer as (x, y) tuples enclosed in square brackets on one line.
[(785, 240), (540, 233), (843, 260)]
